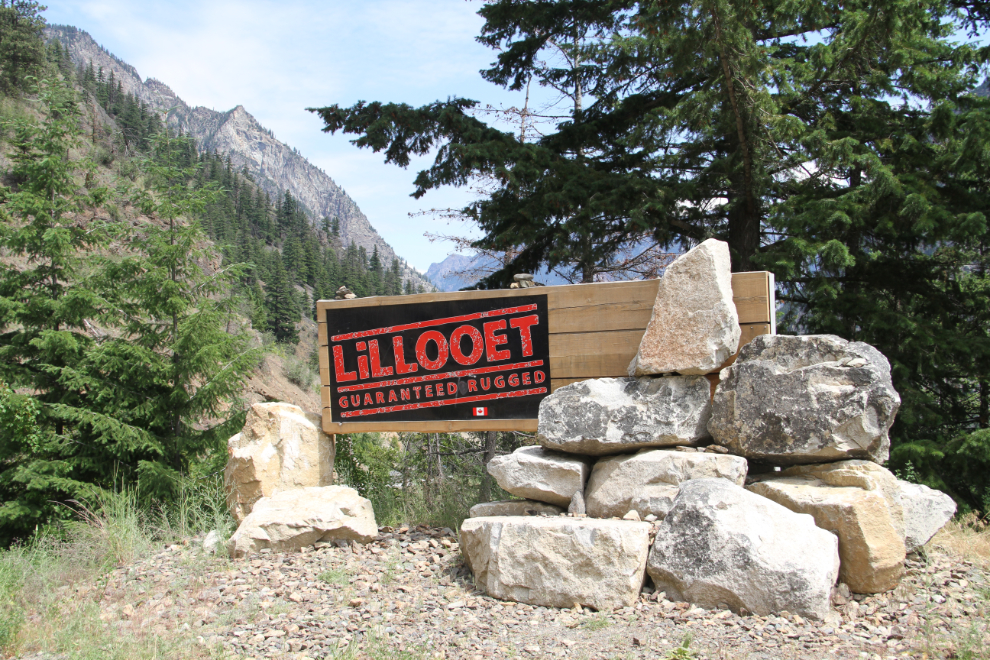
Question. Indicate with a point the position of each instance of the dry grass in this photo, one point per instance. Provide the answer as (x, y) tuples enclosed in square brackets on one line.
[(967, 536), (53, 590)]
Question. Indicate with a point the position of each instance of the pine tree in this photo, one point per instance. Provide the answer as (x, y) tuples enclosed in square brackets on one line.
[(22, 46), (45, 339), (281, 304), (837, 143), (183, 358)]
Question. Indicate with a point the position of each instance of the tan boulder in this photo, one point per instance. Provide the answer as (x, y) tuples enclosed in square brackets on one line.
[(557, 562), (293, 519), (871, 550), (281, 447), (858, 474), (695, 326)]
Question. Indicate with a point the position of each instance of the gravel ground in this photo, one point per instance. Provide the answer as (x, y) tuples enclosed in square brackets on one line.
[(409, 593)]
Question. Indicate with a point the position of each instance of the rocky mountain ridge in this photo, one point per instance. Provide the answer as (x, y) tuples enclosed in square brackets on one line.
[(458, 271), (275, 166)]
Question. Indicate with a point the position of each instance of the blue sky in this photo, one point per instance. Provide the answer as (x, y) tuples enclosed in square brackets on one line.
[(277, 58)]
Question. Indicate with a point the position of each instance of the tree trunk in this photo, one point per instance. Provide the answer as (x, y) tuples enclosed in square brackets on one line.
[(984, 421), (744, 217), (485, 495), (744, 237)]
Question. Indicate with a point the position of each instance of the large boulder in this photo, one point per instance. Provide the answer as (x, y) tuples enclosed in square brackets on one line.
[(870, 547), (695, 326), (613, 415), (916, 512), (808, 399), (857, 474), (721, 546), (281, 447), (513, 508), (647, 482), (292, 519), (538, 474), (557, 562), (925, 512)]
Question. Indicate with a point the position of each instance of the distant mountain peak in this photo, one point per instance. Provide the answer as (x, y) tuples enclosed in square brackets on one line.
[(275, 166)]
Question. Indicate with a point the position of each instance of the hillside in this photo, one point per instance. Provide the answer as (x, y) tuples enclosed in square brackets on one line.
[(273, 165)]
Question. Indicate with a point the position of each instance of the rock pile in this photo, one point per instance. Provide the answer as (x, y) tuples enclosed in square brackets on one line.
[(278, 478), (757, 498), (280, 448)]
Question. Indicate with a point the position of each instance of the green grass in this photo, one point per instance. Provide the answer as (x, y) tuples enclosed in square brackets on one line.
[(597, 622), (40, 609), (682, 652), (376, 647), (335, 576)]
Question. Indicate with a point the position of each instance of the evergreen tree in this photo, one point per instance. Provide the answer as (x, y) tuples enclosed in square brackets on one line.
[(45, 342), (22, 46), (183, 358), (282, 306), (837, 143), (259, 312)]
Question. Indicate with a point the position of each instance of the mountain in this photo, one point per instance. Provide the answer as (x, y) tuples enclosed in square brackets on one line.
[(458, 271), (274, 166), (448, 274)]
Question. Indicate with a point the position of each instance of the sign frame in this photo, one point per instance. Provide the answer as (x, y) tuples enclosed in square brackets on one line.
[(594, 332)]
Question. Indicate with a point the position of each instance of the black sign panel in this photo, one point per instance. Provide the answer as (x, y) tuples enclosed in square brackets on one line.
[(453, 360)]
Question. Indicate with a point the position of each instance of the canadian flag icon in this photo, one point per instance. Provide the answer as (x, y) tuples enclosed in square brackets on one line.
[(480, 411)]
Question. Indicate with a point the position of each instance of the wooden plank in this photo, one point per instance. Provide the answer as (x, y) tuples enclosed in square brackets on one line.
[(752, 330), (601, 318), (446, 426), (569, 295), (593, 354), (321, 334), (325, 396), (588, 307), (750, 285), (583, 355), (750, 293), (324, 352)]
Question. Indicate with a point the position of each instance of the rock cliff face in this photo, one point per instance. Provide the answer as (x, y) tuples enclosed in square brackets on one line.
[(275, 166)]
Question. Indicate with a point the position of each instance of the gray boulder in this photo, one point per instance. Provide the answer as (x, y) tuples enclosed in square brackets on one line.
[(613, 415), (647, 482), (925, 512), (721, 546), (538, 474), (694, 327), (807, 399), (557, 562), (513, 508)]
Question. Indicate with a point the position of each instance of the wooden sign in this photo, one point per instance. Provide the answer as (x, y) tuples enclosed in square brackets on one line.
[(484, 358), (390, 345)]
